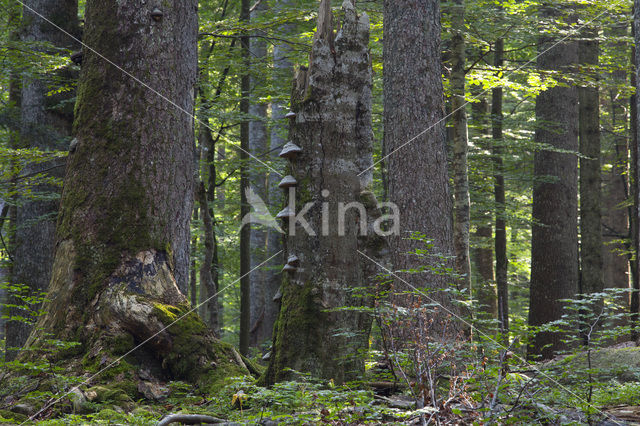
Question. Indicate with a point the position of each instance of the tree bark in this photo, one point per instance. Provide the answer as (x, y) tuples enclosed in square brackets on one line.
[(258, 143), (418, 177), (591, 274), (245, 232), (615, 192), (193, 274), (554, 245), (460, 146), (502, 261), (332, 100), (128, 197), (484, 286), (208, 288), (283, 71), (45, 125), (635, 168), (210, 301)]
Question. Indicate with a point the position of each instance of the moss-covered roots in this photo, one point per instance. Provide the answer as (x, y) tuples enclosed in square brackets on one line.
[(139, 315)]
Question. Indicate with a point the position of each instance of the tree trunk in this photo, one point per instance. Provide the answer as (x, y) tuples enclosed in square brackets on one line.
[(245, 232), (415, 142), (502, 261), (208, 289), (283, 71), (482, 254), (123, 230), (591, 278), (46, 125), (554, 245), (13, 22), (193, 274), (258, 143), (460, 146), (615, 216), (210, 301), (634, 305), (312, 334)]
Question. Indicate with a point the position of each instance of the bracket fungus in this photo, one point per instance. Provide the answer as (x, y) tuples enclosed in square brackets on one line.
[(157, 14), (287, 182), (293, 260), (285, 213), (290, 150), (289, 268), (73, 145), (278, 296), (76, 58)]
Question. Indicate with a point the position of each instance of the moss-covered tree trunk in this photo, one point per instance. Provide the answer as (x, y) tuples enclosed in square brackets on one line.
[(332, 102), (123, 232)]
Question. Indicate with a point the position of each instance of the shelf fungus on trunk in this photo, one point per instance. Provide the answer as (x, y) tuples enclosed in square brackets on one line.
[(290, 150), (293, 260), (289, 268), (288, 182), (157, 14), (290, 114), (285, 213)]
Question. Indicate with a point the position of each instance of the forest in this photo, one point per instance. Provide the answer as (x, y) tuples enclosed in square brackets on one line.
[(307, 212)]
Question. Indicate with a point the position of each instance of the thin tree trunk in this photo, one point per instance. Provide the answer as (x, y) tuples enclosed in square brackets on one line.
[(128, 199), (502, 261), (311, 334), (245, 232), (13, 22), (418, 176), (193, 274), (210, 301), (590, 180), (460, 146), (615, 216), (45, 125), (635, 140), (482, 255), (283, 70), (554, 245), (258, 143), (208, 290), (4, 267)]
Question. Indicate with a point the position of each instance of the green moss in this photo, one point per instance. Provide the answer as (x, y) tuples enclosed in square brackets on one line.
[(115, 393), (192, 343), (295, 331), (8, 416), (121, 344), (303, 195)]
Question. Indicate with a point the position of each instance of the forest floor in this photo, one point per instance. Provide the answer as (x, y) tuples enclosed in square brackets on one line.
[(558, 392)]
